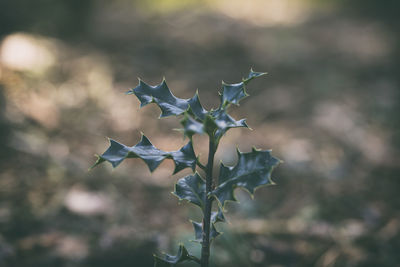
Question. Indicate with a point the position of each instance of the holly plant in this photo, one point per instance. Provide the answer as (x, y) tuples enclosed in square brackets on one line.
[(252, 170)]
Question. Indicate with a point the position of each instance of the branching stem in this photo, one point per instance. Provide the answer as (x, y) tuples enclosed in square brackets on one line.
[(204, 168), (205, 249)]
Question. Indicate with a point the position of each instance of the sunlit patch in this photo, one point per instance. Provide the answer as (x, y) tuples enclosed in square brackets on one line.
[(25, 52), (58, 149), (41, 108), (87, 203), (167, 6), (122, 113), (345, 123), (66, 246), (262, 13), (71, 94), (297, 150), (329, 159), (30, 142), (351, 229), (72, 247)]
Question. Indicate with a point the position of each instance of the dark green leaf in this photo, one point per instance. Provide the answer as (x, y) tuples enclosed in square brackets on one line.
[(191, 126), (162, 96), (183, 158), (233, 93), (198, 232), (217, 216), (252, 170), (152, 156), (215, 124), (168, 103), (117, 152), (224, 122), (191, 188), (252, 75), (169, 260), (196, 108)]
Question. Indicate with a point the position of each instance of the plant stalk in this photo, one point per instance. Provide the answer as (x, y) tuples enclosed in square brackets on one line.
[(205, 249)]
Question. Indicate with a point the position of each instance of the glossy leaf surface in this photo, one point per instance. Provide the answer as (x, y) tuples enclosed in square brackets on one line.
[(252, 170), (233, 93), (152, 156), (191, 188), (215, 125), (217, 216), (224, 122), (184, 158), (252, 75), (196, 108), (191, 126), (168, 103), (198, 231), (171, 260)]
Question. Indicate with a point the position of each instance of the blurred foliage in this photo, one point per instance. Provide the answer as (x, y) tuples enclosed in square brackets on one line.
[(329, 107), (61, 18)]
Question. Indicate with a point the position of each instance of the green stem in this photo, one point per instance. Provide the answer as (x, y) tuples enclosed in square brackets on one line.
[(205, 249), (204, 168)]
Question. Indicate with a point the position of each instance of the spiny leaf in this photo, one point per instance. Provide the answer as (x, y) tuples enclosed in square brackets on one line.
[(117, 152), (196, 108), (252, 75), (169, 260), (183, 158), (162, 96), (152, 156), (215, 125), (233, 93), (252, 170), (217, 216), (168, 103), (198, 231), (191, 126), (224, 122), (191, 188)]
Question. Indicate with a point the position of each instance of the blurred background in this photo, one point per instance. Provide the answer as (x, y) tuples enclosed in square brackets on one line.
[(329, 108)]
